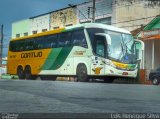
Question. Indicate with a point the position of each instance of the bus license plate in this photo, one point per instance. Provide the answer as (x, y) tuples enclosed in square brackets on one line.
[(125, 73)]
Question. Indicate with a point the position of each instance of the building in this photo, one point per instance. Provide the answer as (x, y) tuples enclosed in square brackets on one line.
[(21, 28), (128, 14), (40, 23), (150, 57), (63, 17), (133, 14), (150, 35), (103, 12)]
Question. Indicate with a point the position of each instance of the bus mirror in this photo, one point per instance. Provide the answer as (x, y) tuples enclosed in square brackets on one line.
[(107, 37), (138, 61)]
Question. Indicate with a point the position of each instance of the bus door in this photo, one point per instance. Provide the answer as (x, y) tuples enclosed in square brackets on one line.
[(100, 49)]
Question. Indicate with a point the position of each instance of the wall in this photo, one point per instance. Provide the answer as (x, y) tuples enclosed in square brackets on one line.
[(62, 18), (148, 54), (157, 54), (39, 23), (135, 12), (20, 27), (103, 11)]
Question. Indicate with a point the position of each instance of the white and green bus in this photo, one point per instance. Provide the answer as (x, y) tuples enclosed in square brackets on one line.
[(84, 51)]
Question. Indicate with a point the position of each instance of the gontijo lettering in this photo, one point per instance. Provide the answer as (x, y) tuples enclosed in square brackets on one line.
[(31, 55)]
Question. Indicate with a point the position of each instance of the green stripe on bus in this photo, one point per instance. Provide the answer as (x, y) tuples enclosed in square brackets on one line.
[(56, 58), (61, 58), (51, 58)]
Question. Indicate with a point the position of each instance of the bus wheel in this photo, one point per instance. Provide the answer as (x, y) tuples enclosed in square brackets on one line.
[(82, 73), (155, 81), (20, 72), (28, 74)]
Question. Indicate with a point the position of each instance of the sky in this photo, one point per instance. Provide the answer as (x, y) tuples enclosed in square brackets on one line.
[(15, 10)]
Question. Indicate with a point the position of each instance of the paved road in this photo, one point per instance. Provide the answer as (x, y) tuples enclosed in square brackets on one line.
[(76, 97)]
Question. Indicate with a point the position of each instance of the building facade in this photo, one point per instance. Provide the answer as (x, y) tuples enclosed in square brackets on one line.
[(127, 14), (150, 35), (133, 14), (40, 24), (62, 18), (103, 12), (21, 28)]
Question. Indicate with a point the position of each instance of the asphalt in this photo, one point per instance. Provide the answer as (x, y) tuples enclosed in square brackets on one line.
[(21, 96)]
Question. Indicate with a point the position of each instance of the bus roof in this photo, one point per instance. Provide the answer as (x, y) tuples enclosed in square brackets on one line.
[(85, 25), (98, 25), (108, 27)]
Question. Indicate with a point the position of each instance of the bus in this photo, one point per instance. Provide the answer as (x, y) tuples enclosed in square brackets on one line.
[(84, 51)]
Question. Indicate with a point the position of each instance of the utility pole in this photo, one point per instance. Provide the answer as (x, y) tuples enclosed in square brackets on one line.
[(1, 45), (72, 6), (94, 10)]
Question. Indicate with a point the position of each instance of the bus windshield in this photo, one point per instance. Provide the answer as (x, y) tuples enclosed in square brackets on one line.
[(122, 48)]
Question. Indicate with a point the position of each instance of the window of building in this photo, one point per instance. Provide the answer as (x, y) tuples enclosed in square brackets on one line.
[(17, 35), (106, 20), (44, 30), (69, 25), (26, 34), (34, 32), (57, 27)]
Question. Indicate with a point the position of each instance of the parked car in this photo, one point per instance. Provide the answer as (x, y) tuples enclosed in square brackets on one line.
[(154, 76)]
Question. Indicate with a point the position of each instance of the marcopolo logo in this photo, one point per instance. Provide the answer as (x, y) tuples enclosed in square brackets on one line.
[(31, 55)]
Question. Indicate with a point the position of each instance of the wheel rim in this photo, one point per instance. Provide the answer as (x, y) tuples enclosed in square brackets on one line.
[(28, 73), (20, 73), (82, 74), (155, 81)]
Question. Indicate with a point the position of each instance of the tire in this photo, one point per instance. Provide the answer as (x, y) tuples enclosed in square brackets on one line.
[(20, 73), (82, 73), (28, 74), (155, 80), (46, 77)]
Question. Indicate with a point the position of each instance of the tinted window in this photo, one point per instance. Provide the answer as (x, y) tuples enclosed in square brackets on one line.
[(72, 38), (64, 39), (92, 32), (40, 41), (52, 41), (28, 44), (78, 38)]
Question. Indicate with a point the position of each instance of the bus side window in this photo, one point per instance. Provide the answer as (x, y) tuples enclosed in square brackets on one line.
[(29, 44), (78, 38), (51, 41), (40, 42), (64, 39)]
